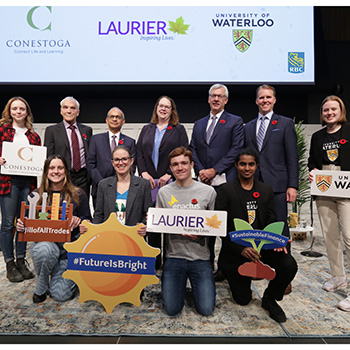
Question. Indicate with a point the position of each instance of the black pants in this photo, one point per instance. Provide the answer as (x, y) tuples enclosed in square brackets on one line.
[(81, 179), (285, 267)]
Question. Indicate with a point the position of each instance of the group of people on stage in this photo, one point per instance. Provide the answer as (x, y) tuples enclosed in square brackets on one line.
[(251, 171)]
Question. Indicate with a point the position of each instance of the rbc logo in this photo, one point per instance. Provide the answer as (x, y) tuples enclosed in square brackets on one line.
[(296, 62)]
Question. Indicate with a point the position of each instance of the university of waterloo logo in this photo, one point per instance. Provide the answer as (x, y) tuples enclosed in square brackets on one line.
[(242, 39), (251, 216), (323, 182), (332, 154)]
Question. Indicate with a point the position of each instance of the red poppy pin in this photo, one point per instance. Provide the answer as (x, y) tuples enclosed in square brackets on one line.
[(222, 121), (342, 141), (85, 137), (274, 122), (169, 127), (121, 142), (256, 194), (194, 201)]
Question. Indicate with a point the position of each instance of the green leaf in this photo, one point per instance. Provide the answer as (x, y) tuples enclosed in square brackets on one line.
[(178, 26), (276, 227), (241, 225)]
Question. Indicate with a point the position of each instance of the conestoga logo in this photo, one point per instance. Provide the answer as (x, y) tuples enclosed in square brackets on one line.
[(242, 39), (323, 182), (30, 19)]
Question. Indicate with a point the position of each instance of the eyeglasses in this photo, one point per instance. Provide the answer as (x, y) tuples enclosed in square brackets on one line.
[(123, 160), (164, 106), (118, 117), (218, 96)]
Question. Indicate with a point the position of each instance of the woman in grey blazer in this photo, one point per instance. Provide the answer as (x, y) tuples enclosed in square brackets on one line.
[(126, 195)]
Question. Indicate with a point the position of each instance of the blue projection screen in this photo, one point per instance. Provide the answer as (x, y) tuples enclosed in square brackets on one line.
[(63, 44)]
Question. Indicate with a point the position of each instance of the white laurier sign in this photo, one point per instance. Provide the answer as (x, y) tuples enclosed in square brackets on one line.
[(23, 159), (331, 183), (194, 222)]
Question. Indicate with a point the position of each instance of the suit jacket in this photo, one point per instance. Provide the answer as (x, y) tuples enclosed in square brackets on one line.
[(57, 142), (137, 203), (225, 144), (316, 152), (279, 154), (175, 136), (98, 161), (231, 198)]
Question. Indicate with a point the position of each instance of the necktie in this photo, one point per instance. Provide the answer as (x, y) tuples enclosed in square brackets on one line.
[(114, 144), (75, 149), (261, 133), (211, 128)]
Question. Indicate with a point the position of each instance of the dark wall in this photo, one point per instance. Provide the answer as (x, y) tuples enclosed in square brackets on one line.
[(332, 49)]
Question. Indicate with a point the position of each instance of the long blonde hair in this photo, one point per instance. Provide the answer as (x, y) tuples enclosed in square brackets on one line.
[(6, 113)]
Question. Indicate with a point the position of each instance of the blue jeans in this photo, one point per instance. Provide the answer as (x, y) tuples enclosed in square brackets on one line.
[(174, 278), (10, 209)]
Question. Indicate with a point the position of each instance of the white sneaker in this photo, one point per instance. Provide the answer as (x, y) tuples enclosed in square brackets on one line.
[(335, 283), (345, 304)]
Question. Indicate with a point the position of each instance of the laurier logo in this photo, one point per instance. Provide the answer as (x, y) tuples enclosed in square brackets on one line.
[(31, 21)]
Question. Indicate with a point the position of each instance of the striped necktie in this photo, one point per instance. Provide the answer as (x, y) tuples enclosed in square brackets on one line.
[(211, 128), (261, 133)]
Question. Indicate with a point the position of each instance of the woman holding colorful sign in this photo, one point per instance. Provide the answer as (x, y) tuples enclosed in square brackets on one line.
[(330, 150), (50, 258), (16, 126), (126, 195)]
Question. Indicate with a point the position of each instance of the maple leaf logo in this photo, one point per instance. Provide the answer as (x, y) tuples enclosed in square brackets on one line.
[(178, 26), (213, 222)]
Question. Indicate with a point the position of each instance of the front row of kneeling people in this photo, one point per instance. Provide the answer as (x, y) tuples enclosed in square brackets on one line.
[(186, 257)]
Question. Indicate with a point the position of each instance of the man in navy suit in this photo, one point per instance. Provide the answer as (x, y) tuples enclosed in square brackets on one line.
[(101, 146), (216, 141), (71, 140), (278, 153)]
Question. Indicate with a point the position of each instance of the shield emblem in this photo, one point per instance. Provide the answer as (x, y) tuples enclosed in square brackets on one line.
[(251, 216), (323, 182), (332, 154), (242, 39)]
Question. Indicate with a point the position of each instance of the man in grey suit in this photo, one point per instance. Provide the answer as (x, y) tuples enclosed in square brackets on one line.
[(71, 140)]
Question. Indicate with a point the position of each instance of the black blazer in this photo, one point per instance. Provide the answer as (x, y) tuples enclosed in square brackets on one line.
[(98, 161), (56, 140), (231, 197), (316, 158), (137, 203), (175, 136)]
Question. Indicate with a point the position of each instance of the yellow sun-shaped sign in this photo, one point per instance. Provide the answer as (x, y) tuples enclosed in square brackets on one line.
[(111, 263)]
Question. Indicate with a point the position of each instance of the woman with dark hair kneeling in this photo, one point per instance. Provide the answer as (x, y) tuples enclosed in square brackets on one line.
[(50, 258)]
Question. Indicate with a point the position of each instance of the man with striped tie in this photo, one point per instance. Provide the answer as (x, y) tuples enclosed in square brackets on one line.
[(274, 138)]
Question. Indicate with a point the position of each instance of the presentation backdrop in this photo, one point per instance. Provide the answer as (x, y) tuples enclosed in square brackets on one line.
[(156, 44)]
